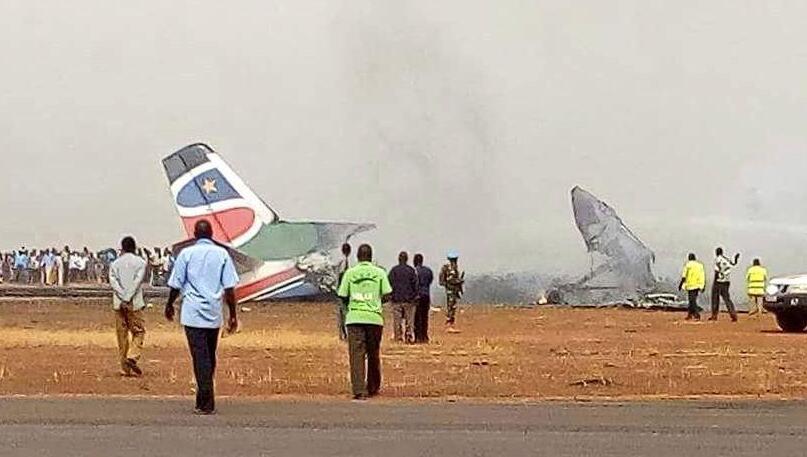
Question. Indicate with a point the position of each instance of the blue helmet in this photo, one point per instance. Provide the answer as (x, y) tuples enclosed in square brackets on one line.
[(452, 255)]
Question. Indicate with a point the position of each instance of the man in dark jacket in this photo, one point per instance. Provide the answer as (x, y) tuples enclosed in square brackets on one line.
[(404, 282), (424, 300)]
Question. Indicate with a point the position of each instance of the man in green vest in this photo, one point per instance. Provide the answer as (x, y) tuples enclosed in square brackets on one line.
[(366, 287), (755, 279)]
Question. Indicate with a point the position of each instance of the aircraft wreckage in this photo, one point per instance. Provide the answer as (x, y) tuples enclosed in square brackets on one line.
[(621, 264)]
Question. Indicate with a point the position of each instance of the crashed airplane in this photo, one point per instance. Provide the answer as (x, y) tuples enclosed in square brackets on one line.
[(622, 265), (275, 259)]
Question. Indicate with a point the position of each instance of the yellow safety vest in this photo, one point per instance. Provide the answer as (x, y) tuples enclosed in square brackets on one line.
[(756, 278), (694, 276)]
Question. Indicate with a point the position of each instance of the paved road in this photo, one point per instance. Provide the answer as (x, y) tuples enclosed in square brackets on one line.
[(118, 427)]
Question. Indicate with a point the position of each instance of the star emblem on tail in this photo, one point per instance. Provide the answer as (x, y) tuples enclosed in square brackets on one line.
[(209, 186)]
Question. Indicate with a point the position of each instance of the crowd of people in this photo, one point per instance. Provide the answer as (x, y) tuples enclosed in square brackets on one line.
[(66, 266)]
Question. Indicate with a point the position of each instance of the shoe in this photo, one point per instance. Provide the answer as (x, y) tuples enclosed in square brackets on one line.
[(132, 364), (713, 318), (202, 412), (689, 317), (373, 394), (734, 318), (360, 398), (697, 317)]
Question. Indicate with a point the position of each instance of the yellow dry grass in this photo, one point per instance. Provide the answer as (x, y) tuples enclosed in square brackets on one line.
[(16, 338), (52, 347)]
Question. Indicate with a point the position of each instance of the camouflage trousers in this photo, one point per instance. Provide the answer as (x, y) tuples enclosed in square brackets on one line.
[(451, 308)]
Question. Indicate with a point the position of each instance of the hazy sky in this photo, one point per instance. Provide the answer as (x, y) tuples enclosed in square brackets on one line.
[(457, 124)]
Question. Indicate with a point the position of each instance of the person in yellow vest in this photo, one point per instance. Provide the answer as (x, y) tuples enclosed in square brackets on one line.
[(755, 278), (693, 281)]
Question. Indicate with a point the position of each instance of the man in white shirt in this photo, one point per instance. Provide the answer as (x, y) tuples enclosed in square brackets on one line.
[(126, 276)]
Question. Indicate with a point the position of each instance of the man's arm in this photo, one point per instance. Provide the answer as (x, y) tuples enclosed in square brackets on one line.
[(140, 276), (415, 282), (229, 298), (229, 279), (169, 307), (386, 290), (114, 282)]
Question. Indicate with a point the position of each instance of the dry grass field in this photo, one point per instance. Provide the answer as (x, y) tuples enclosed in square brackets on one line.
[(68, 347)]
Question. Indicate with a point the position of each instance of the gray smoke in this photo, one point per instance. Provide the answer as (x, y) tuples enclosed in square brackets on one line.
[(453, 124)]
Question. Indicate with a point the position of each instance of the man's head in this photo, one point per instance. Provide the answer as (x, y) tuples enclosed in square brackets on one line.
[(719, 251), (453, 256), (403, 257), (757, 262), (692, 256), (365, 253), (128, 245), (203, 230), (346, 249), (418, 260)]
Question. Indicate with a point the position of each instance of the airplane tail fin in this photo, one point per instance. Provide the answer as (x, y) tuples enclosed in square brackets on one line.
[(205, 187)]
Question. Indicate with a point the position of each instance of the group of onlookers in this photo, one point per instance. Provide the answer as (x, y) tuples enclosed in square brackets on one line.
[(54, 267)]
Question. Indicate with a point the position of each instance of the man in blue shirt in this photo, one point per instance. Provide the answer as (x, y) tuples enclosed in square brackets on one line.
[(424, 300), (204, 274), (21, 266)]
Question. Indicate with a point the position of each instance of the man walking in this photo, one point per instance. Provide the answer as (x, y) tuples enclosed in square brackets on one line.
[(126, 277), (452, 280), (424, 300), (755, 279), (722, 284), (341, 305), (204, 274), (693, 281), (404, 282), (366, 287)]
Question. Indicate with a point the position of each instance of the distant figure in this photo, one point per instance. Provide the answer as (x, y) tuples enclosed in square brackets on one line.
[(366, 287), (34, 266), (424, 300), (404, 282), (205, 275), (693, 281), (21, 266), (341, 305), (126, 277), (722, 284), (452, 280), (49, 262), (755, 279), (65, 257), (75, 267)]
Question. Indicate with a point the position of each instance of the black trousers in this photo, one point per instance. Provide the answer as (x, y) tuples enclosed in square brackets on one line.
[(364, 346), (424, 305), (203, 343), (694, 309), (721, 290)]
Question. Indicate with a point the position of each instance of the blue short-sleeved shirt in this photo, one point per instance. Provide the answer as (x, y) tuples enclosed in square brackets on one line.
[(202, 272)]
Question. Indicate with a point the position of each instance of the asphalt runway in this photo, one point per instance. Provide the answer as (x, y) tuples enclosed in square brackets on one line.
[(155, 427)]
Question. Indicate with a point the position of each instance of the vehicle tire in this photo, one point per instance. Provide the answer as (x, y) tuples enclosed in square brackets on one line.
[(792, 321)]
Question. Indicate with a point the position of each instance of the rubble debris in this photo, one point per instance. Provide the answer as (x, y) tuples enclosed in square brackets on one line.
[(593, 381)]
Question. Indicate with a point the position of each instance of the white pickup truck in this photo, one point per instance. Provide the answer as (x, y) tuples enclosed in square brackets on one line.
[(786, 297)]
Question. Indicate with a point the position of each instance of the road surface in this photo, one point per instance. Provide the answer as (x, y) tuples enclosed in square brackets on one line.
[(155, 427)]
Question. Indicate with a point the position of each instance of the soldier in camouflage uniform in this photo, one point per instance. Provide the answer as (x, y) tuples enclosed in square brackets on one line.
[(452, 280)]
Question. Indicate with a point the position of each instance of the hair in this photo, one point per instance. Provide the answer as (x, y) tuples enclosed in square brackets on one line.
[(365, 253), (203, 230), (692, 256), (719, 251), (346, 249), (418, 260), (403, 257), (757, 262)]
